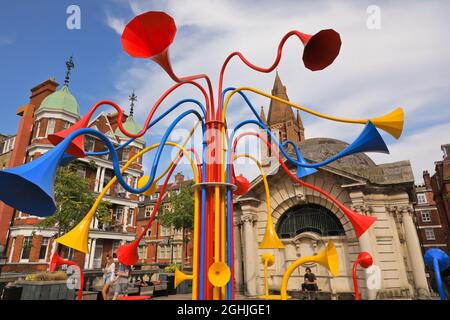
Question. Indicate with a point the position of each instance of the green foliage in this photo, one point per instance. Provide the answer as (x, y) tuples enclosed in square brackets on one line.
[(47, 276), (172, 267), (73, 200), (181, 215)]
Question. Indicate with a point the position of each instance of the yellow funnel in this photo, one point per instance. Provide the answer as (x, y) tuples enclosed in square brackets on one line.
[(181, 276), (219, 274), (77, 238), (391, 122)]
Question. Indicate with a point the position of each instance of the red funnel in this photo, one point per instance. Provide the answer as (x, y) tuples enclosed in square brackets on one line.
[(321, 49), (128, 253), (76, 147), (242, 185)]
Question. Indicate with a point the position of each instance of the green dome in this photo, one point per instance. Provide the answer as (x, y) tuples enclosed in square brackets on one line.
[(62, 100), (132, 127)]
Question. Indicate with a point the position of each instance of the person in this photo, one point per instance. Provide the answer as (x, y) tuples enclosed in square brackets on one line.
[(108, 276), (310, 283), (121, 281)]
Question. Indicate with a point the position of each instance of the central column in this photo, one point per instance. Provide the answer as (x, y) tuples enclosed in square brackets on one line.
[(415, 254)]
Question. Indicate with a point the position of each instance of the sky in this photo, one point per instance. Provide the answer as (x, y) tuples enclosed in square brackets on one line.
[(405, 62)]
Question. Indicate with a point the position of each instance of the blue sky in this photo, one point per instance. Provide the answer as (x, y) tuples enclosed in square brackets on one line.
[(404, 63)]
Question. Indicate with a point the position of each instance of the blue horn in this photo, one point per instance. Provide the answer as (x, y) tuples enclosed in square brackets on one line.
[(29, 187), (437, 260)]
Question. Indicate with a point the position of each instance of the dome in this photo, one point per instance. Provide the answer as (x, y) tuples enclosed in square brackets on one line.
[(320, 149), (62, 100), (132, 127)]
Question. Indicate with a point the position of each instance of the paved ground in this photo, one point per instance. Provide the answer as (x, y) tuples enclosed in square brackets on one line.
[(188, 296)]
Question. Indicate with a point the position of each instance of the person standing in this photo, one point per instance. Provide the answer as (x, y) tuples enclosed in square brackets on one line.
[(108, 276), (121, 281)]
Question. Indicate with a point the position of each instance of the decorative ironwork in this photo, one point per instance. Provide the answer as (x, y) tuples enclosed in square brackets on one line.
[(309, 217)]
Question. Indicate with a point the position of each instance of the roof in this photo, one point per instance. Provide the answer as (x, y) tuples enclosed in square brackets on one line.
[(132, 127), (61, 100)]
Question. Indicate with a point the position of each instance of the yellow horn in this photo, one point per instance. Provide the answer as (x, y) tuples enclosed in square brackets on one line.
[(153, 187), (271, 240), (219, 274), (181, 276), (327, 257), (391, 122), (77, 238)]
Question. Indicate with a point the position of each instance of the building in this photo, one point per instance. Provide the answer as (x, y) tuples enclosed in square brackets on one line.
[(433, 231), (6, 148), (305, 221), (50, 110), (163, 245)]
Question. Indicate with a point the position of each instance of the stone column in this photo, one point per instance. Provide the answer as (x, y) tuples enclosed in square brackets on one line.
[(415, 253), (97, 178), (238, 276), (250, 267), (92, 253)]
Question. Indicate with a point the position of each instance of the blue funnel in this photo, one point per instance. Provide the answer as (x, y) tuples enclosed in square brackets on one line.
[(437, 260), (302, 171), (29, 187)]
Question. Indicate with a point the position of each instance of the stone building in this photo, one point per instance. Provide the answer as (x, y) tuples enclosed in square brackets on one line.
[(305, 221), (6, 148), (50, 110), (163, 245)]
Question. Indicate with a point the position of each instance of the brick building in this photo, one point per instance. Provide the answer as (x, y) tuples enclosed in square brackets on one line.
[(49, 110), (162, 245), (431, 229)]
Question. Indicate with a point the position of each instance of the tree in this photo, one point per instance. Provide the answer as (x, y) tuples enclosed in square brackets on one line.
[(73, 200), (181, 213)]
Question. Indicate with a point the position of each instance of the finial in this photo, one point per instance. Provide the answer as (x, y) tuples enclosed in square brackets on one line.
[(69, 65), (132, 98)]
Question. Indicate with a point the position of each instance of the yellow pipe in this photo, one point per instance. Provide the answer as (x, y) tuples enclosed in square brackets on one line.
[(391, 123)]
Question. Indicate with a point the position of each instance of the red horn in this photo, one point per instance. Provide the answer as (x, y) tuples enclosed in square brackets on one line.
[(242, 185), (58, 261), (321, 49), (365, 260), (128, 253), (149, 35), (76, 147), (359, 222)]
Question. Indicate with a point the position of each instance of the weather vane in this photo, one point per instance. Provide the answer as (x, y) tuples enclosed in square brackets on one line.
[(132, 97), (69, 65)]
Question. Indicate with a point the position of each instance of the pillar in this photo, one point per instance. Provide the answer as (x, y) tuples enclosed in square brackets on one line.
[(415, 253), (250, 267), (238, 276)]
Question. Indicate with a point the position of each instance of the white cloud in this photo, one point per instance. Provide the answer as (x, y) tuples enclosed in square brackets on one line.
[(7, 40), (405, 63)]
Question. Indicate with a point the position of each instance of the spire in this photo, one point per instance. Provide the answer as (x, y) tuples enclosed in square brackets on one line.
[(69, 66), (132, 98), (278, 111), (299, 119), (262, 115)]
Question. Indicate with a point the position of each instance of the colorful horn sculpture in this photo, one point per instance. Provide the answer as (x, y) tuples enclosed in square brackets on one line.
[(242, 185), (391, 122), (437, 260), (181, 276), (321, 49), (328, 258), (149, 35), (58, 261), (153, 187), (268, 260), (29, 187), (77, 237), (365, 260)]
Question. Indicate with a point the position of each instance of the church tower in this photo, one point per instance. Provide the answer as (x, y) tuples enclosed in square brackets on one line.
[(281, 120)]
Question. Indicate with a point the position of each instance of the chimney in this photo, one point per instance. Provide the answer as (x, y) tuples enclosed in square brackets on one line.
[(427, 179), (179, 178)]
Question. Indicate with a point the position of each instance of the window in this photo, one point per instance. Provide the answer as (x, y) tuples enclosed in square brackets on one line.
[(43, 249), (429, 234), (125, 154), (142, 251), (118, 216), (426, 216), (148, 211), (130, 216), (50, 127), (149, 233), (421, 198), (115, 245), (309, 218), (89, 144), (65, 125), (38, 129), (26, 249)]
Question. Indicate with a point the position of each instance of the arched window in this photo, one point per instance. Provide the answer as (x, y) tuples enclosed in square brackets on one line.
[(309, 217)]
